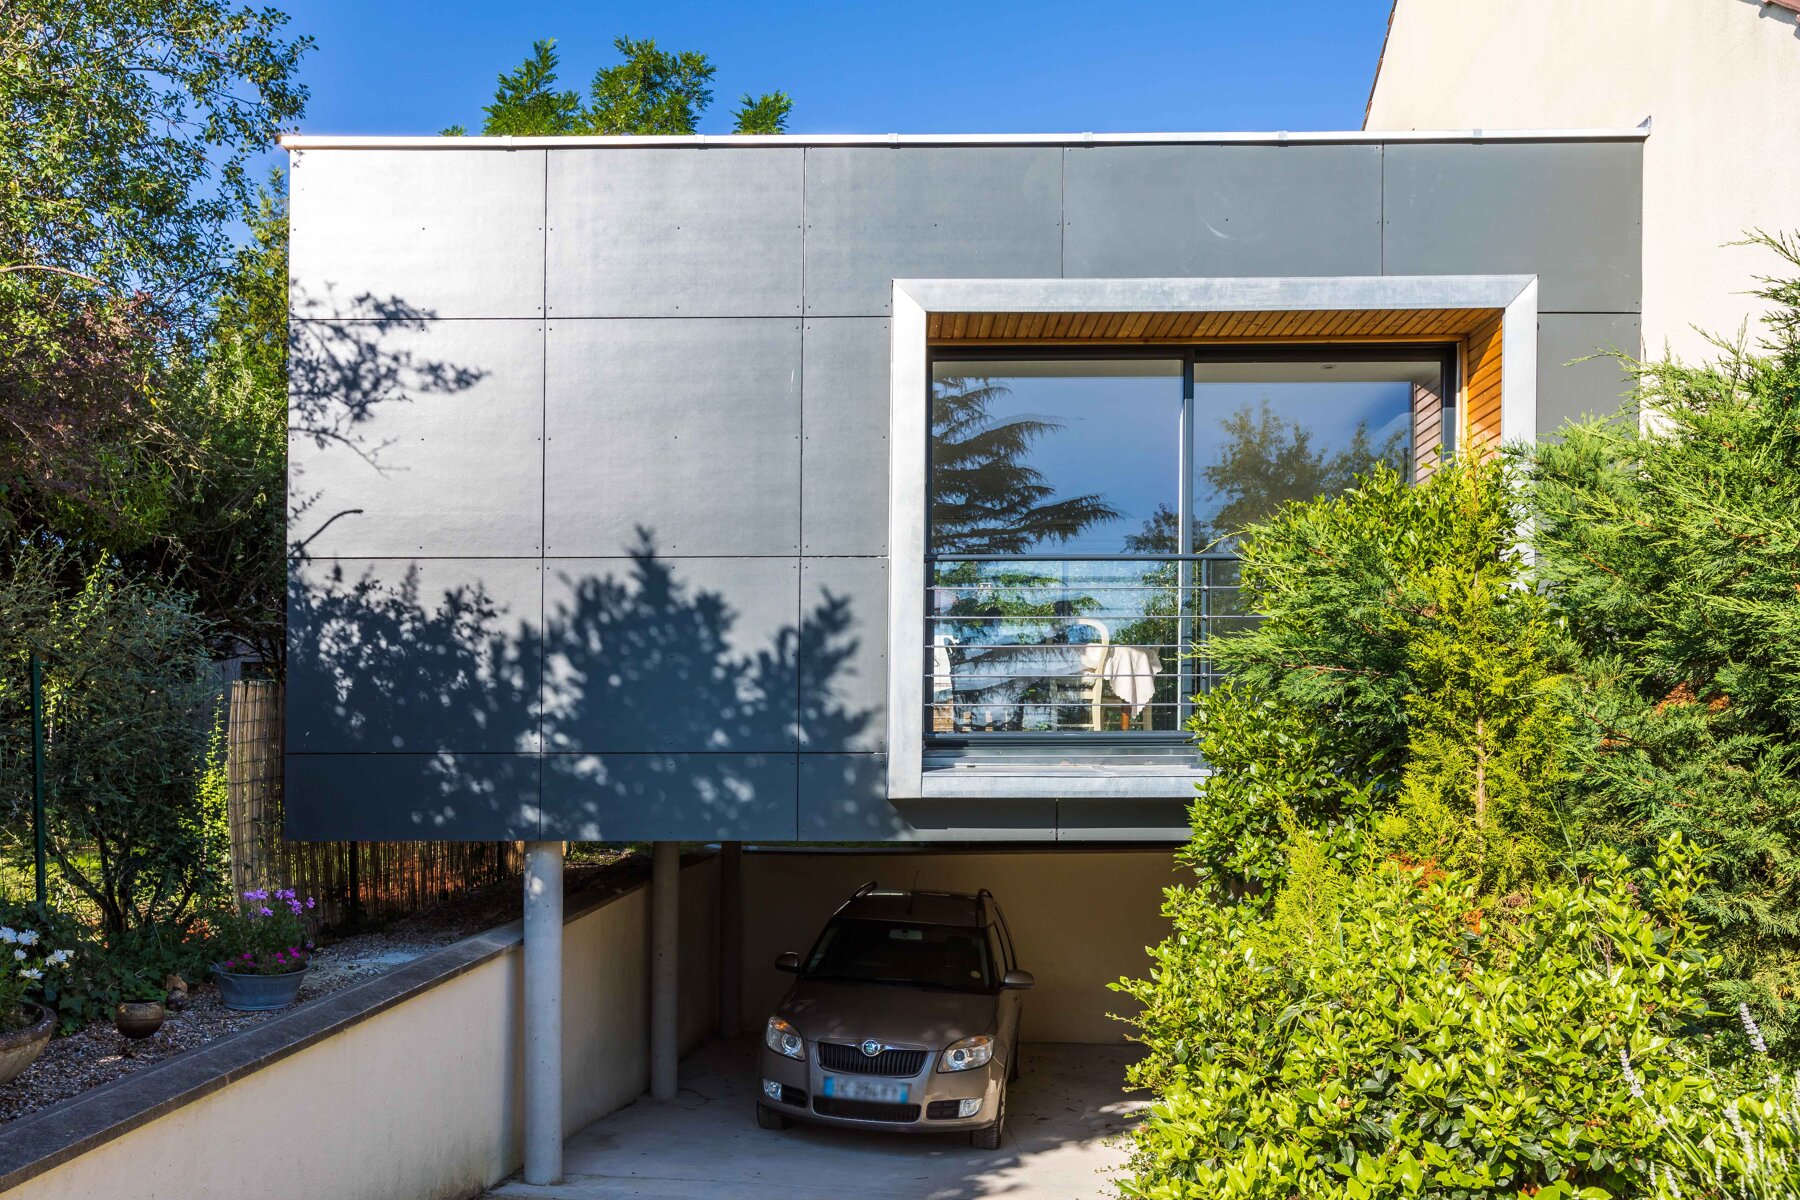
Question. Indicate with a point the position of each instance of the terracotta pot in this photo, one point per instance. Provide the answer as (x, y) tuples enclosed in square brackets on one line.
[(139, 1018), (19, 1048)]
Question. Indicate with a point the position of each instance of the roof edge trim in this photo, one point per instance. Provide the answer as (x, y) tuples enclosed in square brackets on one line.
[(322, 141)]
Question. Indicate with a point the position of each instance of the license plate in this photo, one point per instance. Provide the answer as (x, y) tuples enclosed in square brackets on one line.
[(872, 1090)]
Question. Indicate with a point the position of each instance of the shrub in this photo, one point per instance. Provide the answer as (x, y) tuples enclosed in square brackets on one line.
[(1400, 684), (1670, 549), (267, 935), (129, 708), (1390, 1032)]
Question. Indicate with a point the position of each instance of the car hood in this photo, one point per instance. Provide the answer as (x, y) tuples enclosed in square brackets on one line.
[(850, 1012)]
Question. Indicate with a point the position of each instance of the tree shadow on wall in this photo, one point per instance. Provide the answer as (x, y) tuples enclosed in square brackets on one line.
[(343, 369), (656, 718)]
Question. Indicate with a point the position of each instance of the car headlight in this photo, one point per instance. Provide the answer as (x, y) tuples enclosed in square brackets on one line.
[(967, 1054), (784, 1039)]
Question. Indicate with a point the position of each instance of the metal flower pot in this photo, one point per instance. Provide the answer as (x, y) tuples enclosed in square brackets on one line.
[(258, 993), (139, 1018), (19, 1048)]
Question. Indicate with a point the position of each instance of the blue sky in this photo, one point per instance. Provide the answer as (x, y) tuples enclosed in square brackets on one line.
[(401, 66)]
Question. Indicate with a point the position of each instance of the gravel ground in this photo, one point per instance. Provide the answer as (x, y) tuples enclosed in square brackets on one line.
[(98, 1054)]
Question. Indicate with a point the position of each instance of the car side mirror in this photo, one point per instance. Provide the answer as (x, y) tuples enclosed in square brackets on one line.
[(789, 962), (1018, 981)]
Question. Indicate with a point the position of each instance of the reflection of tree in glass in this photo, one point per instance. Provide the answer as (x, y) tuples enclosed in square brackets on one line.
[(985, 496), (1270, 460)]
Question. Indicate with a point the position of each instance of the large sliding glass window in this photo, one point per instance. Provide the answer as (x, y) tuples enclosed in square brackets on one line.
[(1082, 509)]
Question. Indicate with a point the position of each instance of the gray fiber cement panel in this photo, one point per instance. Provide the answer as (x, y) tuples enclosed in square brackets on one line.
[(422, 440), (1577, 377), (685, 429), (411, 797), (874, 215), (844, 436), (665, 232), (444, 233), (655, 797), (843, 653), (392, 655), (1567, 212), (672, 654), (1161, 211)]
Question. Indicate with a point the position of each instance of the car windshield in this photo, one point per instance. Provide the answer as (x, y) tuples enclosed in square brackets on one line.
[(954, 957)]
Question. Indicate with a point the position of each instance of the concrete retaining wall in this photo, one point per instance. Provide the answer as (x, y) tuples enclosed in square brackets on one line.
[(1079, 918), (418, 1099)]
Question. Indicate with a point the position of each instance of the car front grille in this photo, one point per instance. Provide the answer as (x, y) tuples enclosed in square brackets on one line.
[(850, 1060), (864, 1110)]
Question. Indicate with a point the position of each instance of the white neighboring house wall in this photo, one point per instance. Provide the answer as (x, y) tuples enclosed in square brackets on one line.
[(1718, 79)]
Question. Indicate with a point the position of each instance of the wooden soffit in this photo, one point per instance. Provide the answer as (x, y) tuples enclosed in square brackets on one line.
[(1066, 328)]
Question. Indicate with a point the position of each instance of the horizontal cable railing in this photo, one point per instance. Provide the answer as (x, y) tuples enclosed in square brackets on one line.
[(1096, 644)]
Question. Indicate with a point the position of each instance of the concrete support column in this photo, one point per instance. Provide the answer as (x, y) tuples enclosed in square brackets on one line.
[(665, 963), (731, 936), (543, 1012)]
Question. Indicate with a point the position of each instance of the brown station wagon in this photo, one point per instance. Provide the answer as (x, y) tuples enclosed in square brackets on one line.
[(905, 1017)]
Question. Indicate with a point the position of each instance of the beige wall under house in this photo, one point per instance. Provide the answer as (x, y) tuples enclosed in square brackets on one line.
[(1718, 79)]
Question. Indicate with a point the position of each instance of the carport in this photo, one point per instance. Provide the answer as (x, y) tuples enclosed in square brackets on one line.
[(1080, 916)]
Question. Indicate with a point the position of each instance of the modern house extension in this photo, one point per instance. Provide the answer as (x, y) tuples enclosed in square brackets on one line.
[(865, 489)]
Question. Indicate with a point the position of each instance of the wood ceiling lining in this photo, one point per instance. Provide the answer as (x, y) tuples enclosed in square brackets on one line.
[(998, 328)]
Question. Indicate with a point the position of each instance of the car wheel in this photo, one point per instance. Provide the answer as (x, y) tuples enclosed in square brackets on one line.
[(988, 1136), (768, 1118)]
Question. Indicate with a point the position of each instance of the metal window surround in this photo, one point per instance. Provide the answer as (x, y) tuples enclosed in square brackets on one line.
[(914, 300)]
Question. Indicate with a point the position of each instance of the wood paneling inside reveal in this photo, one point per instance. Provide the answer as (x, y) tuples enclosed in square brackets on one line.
[(1482, 371)]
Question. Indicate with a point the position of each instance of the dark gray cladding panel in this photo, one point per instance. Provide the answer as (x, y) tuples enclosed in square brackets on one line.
[(844, 446), (391, 655), (455, 233), (687, 428), (843, 653), (875, 214), (666, 232), (411, 797), (652, 653), (1153, 211), (654, 797), (1576, 375), (843, 799), (1116, 819), (1567, 212), (418, 437)]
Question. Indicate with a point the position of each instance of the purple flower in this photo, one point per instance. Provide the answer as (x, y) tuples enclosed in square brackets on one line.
[(310, 902), (295, 905), (268, 912)]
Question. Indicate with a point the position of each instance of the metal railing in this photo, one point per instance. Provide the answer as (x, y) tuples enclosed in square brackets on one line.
[(1071, 644)]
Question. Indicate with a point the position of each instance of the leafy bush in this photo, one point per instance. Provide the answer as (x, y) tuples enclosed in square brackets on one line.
[(102, 969), (1389, 1032), (268, 934), (1400, 684), (1670, 552), (129, 709)]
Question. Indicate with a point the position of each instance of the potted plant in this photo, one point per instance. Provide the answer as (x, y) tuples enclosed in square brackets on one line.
[(25, 1025), (266, 950), (140, 1011)]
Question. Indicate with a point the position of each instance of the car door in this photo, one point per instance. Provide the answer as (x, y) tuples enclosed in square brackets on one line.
[(1012, 1002)]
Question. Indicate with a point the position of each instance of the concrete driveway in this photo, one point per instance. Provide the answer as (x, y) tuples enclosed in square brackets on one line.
[(1063, 1141)]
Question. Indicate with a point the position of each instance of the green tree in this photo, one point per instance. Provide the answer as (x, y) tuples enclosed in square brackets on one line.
[(128, 124), (653, 91), (1671, 549), (986, 498)]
